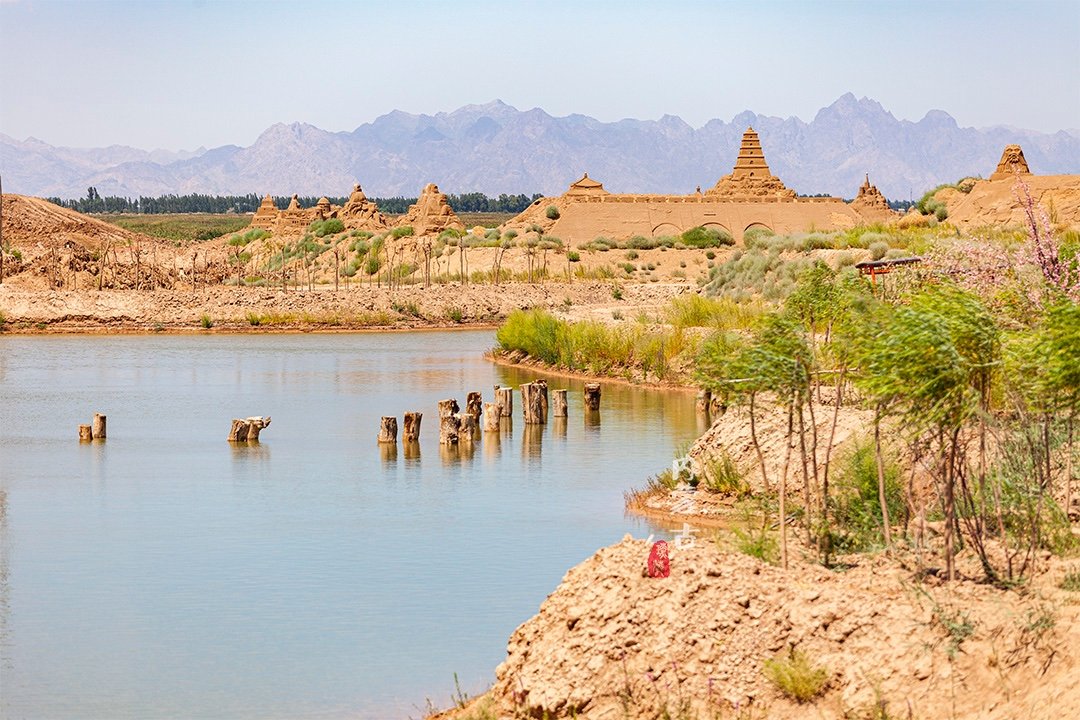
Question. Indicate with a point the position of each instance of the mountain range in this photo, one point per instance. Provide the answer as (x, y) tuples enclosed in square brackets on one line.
[(495, 148)]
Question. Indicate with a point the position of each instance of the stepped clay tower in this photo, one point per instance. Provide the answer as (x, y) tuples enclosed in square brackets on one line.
[(750, 179), (1012, 162), (870, 202)]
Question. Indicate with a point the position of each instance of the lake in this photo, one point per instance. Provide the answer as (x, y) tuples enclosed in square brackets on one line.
[(165, 573)]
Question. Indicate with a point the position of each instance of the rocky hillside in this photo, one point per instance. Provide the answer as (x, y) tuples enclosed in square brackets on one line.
[(495, 148)]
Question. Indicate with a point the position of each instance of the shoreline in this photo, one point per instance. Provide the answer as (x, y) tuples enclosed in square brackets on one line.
[(501, 357)]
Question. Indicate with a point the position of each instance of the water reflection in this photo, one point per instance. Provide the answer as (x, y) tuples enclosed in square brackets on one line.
[(411, 449), (388, 453), (532, 440), (558, 427), (592, 419)]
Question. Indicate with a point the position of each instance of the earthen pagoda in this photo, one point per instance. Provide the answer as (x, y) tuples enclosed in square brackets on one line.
[(750, 179), (870, 203)]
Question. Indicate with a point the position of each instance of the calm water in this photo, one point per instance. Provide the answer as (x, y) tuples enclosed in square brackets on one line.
[(166, 574)]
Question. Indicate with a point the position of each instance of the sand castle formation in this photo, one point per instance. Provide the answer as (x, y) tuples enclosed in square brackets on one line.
[(749, 197), (429, 216), (1012, 163)]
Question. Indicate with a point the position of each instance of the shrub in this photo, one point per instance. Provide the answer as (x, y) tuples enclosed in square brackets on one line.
[(403, 231), (700, 237), (454, 313), (552, 213), (206, 322), (616, 293), (254, 319), (326, 227), (796, 676), (757, 237), (632, 255), (710, 255), (757, 543), (723, 475), (573, 256), (534, 332), (878, 249), (1071, 581), (855, 505)]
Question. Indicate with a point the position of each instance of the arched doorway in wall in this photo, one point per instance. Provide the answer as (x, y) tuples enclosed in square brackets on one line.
[(755, 230), (666, 229), (724, 230)]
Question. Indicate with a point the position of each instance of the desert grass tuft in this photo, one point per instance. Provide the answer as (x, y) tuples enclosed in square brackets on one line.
[(795, 675)]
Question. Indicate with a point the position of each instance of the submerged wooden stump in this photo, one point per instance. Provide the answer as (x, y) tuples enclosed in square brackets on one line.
[(410, 431), (474, 405), (98, 428), (492, 414), (504, 398), (592, 396), (468, 430), (85, 433), (558, 403), (247, 430), (388, 430), (447, 408), (449, 429), (534, 402)]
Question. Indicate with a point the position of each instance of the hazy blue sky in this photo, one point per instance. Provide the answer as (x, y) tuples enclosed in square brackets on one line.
[(183, 74)]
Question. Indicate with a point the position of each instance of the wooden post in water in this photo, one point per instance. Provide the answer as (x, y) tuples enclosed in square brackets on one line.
[(468, 430), (474, 405), (85, 434), (558, 403), (534, 402), (411, 427), (592, 396), (449, 422), (247, 430), (388, 430), (492, 413), (98, 428), (238, 431), (504, 398)]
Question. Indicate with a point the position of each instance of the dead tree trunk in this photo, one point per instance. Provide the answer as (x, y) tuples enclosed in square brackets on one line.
[(388, 430), (703, 401), (504, 398), (558, 403), (85, 433), (474, 405), (492, 416), (411, 429), (468, 430), (449, 422), (99, 426), (592, 396), (534, 402)]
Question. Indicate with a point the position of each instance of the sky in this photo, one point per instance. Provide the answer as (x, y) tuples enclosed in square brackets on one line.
[(178, 74)]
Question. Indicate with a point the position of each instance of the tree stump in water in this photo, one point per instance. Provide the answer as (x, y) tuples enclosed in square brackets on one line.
[(388, 430), (247, 430), (534, 402), (504, 398), (558, 403), (98, 428), (447, 408), (410, 431), (468, 430), (449, 429), (474, 405), (492, 416), (85, 434), (592, 396)]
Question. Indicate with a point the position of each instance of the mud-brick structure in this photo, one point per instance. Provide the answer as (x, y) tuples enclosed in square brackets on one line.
[(870, 203), (751, 196)]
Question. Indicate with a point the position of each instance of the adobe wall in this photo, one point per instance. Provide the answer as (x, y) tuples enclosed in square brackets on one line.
[(623, 216)]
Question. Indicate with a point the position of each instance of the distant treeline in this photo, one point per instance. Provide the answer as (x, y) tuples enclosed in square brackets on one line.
[(473, 202), (198, 203)]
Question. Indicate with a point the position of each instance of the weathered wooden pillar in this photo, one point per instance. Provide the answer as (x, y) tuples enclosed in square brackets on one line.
[(558, 403), (388, 430), (717, 406), (474, 405), (85, 433), (701, 402), (255, 425), (447, 408), (468, 431), (534, 402), (239, 431), (410, 431), (504, 398), (98, 428), (592, 396), (449, 429), (491, 417)]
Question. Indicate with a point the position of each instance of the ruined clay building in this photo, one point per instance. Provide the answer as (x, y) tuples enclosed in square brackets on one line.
[(430, 215), (751, 196)]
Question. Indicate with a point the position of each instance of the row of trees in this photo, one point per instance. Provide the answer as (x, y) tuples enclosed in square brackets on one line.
[(979, 408), (202, 203)]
